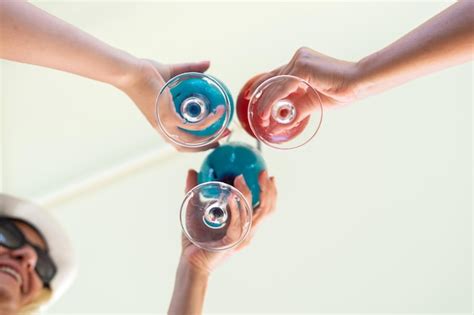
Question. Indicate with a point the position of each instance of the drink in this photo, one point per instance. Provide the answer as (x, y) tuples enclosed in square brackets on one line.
[(284, 111), (215, 215), (243, 105), (230, 160), (187, 109)]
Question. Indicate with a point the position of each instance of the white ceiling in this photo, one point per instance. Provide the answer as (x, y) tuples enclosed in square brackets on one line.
[(373, 216)]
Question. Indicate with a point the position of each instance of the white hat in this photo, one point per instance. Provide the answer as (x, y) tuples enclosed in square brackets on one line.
[(60, 248)]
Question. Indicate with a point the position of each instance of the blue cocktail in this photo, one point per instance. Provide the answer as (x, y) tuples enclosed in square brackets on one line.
[(230, 160), (214, 214), (194, 109)]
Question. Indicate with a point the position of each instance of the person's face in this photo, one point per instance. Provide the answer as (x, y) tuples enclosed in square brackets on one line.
[(19, 282)]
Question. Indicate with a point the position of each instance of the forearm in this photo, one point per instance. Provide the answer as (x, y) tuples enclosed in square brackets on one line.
[(189, 291), (443, 41), (31, 35)]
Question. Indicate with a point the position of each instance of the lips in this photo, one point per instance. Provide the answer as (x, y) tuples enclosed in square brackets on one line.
[(12, 272)]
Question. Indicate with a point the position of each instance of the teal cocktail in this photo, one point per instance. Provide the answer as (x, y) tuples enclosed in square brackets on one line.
[(214, 214), (194, 109)]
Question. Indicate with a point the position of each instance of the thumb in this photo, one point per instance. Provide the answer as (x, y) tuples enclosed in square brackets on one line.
[(179, 68), (191, 180), (241, 185)]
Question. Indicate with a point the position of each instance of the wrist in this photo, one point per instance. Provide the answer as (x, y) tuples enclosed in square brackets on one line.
[(365, 82), (189, 290), (358, 84), (128, 72), (191, 272), (352, 87)]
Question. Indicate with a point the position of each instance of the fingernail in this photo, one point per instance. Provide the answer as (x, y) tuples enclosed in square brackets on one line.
[(240, 178), (247, 94), (220, 109), (226, 133)]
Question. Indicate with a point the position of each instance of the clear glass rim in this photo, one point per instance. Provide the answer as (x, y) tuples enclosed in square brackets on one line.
[(234, 190), (268, 81), (211, 138)]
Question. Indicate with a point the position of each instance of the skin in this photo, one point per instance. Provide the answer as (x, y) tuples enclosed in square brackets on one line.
[(12, 296), (31, 35), (196, 265), (445, 40)]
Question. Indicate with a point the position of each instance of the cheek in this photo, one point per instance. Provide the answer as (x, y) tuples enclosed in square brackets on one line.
[(3, 250), (34, 288), (9, 295)]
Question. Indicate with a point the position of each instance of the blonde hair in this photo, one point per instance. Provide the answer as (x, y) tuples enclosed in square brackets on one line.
[(34, 306)]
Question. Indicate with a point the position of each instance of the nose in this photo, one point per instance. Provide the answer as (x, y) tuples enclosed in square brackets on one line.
[(26, 255)]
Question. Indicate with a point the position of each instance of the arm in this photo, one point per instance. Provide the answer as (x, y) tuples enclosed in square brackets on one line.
[(189, 290), (197, 264), (443, 41), (31, 35)]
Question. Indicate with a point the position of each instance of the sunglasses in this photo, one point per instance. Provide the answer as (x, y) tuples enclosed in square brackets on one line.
[(13, 238)]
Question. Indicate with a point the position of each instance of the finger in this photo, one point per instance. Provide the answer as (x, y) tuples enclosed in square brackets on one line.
[(305, 104), (238, 216), (241, 185), (279, 90), (263, 210), (249, 235), (273, 194), (179, 68), (260, 215), (262, 183), (191, 180), (257, 83), (263, 78), (213, 117), (226, 133), (165, 109), (271, 197), (210, 120), (265, 201)]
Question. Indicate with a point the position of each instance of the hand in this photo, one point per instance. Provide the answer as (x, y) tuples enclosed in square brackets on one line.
[(333, 79), (202, 261), (143, 86)]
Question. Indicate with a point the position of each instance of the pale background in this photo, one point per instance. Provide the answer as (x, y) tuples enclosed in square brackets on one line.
[(373, 216)]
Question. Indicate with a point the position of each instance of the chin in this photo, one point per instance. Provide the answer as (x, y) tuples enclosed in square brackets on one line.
[(9, 300)]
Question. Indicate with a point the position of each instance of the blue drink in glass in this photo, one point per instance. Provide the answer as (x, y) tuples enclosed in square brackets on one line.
[(187, 109), (214, 214), (230, 160)]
